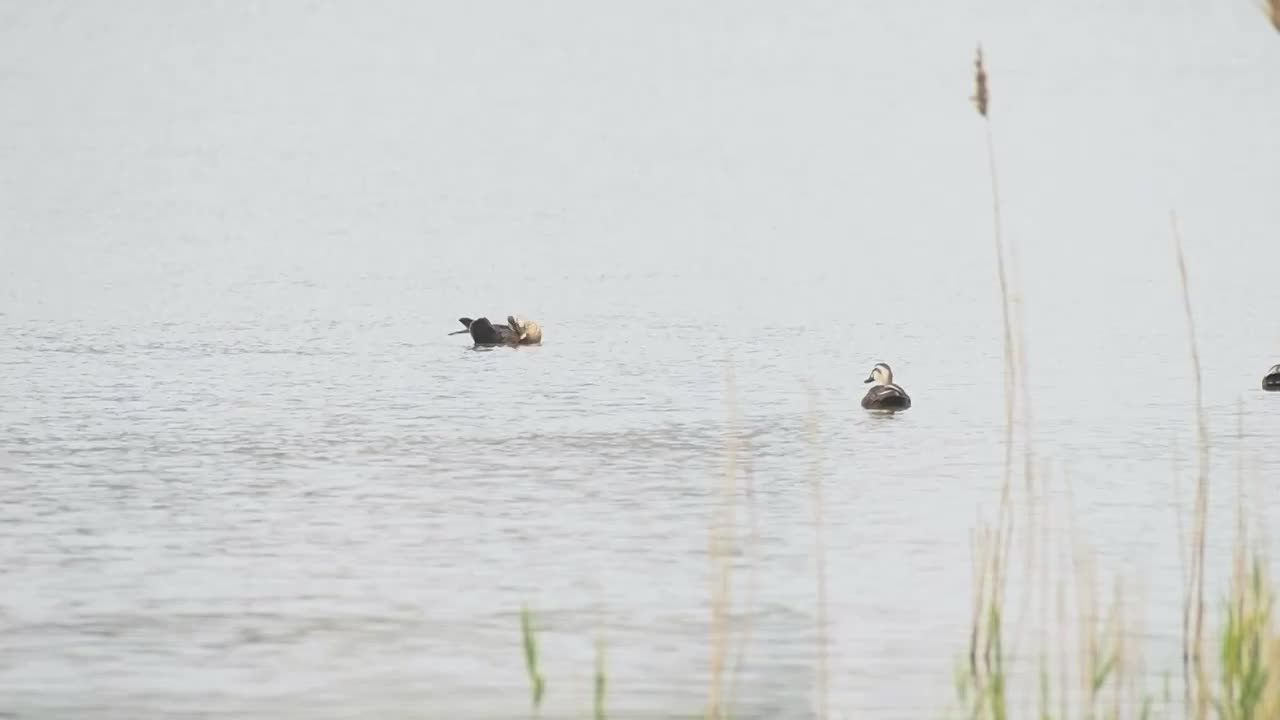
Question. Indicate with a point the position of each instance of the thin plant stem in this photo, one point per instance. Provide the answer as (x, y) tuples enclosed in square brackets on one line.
[(746, 625), (1193, 607), (529, 638), (720, 535), (598, 685)]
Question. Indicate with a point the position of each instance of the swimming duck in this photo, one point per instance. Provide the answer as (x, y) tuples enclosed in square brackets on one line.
[(517, 331), (885, 394), (1271, 381)]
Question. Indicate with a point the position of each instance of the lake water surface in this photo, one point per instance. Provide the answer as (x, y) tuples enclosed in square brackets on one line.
[(246, 472)]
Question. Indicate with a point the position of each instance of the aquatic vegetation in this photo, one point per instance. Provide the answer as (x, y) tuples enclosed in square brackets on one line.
[(598, 684), (530, 642)]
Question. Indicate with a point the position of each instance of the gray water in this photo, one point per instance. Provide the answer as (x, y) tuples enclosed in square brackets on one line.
[(247, 473)]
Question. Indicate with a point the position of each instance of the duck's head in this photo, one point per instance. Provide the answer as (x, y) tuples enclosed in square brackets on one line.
[(880, 374)]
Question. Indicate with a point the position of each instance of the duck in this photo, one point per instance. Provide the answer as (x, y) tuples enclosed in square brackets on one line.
[(517, 331), (1271, 381), (885, 394)]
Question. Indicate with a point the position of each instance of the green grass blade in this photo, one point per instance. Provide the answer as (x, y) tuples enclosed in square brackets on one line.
[(531, 656)]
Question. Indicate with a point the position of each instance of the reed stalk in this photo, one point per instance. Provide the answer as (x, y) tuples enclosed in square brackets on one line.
[(1193, 603), (746, 625), (987, 635)]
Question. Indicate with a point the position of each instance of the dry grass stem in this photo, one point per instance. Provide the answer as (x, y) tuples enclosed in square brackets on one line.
[(720, 536), (994, 544), (747, 623), (1193, 605)]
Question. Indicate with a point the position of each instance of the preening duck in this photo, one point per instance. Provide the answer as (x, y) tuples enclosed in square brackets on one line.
[(517, 331)]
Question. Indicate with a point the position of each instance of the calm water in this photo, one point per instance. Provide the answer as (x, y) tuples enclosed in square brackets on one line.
[(246, 473)]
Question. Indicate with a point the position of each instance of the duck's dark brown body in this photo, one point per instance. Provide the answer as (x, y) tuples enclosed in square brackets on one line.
[(886, 397)]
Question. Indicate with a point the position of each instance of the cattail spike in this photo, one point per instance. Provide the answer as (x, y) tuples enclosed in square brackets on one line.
[(980, 96)]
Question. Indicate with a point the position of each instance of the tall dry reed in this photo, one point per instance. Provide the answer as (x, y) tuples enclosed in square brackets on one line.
[(751, 553), (1193, 602), (993, 545)]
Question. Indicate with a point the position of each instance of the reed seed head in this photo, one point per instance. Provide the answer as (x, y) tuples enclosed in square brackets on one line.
[(980, 96)]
